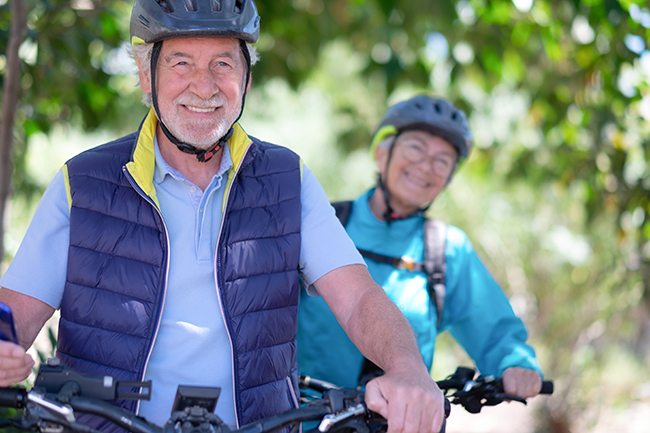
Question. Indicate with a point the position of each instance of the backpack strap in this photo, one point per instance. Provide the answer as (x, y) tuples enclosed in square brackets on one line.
[(404, 262), (435, 262), (343, 210)]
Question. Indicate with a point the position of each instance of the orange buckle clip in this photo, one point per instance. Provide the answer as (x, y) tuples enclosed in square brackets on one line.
[(406, 262)]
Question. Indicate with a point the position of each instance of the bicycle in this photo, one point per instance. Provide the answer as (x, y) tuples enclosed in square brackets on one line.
[(59, 394)]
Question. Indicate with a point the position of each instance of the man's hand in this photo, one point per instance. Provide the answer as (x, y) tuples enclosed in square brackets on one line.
[(522, 382), (410, 401), (15, 363), (30, 315)]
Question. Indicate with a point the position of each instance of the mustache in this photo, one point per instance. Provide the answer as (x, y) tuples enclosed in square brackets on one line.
[(195, 101)]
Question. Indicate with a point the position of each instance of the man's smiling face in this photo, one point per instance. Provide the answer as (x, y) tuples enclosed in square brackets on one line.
[(200, 84)]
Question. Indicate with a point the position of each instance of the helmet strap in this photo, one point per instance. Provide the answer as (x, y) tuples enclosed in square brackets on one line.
[(390, 214), (203, 155)]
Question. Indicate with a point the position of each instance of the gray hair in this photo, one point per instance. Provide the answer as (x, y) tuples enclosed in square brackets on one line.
[(142, 52)]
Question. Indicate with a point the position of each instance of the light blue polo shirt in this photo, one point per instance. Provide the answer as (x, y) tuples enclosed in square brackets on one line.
[(192, 346)]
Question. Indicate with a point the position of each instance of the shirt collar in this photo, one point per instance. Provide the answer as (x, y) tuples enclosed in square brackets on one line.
[(163, 169)]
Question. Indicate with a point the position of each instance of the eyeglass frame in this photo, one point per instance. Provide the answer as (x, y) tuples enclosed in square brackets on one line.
[(443, 172)]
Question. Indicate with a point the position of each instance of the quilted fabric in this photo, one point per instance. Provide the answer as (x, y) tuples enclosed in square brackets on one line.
[(117, 269)]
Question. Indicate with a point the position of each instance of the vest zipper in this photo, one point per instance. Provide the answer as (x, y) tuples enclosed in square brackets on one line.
[(293, 393), (151, 202), (216, 277)]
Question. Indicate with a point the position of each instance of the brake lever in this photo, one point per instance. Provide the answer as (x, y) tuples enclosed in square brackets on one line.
[(477, 394), (59, 409), (500, 396), (330, 420)]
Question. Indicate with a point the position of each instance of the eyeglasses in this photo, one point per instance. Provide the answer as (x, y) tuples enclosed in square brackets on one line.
[(442, 164)]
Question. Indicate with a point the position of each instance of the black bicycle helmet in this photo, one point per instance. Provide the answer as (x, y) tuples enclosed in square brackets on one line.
[(421, 113), (153, 21), (156, 20), (437, 116)]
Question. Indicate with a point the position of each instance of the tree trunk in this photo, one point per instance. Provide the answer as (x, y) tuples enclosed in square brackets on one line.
[(10, 94)]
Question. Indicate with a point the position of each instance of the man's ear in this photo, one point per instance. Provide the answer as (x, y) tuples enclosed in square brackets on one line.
[(145, 77)]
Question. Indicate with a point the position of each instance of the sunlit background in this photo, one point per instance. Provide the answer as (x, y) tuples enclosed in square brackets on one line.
[(555, 196)]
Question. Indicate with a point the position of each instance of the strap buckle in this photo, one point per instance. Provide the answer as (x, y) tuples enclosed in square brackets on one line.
[(438, 278), (404, 262)]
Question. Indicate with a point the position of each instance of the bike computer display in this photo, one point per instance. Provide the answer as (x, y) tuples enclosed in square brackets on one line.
[(202, 396)]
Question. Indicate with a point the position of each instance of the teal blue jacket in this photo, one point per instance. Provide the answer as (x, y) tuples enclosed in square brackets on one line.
[(476, 311)]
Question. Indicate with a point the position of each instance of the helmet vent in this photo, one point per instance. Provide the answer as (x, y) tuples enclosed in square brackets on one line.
[(166, 7), (436, 106), (144, 21), (189, 5), (216, 5), (239, 6), (454, 116)]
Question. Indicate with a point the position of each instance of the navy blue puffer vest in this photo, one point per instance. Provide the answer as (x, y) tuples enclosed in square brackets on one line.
[(117, 268)]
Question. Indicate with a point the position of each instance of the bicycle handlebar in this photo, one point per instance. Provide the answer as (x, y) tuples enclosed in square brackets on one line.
[(14, 398), (59, 393), (474, 393)]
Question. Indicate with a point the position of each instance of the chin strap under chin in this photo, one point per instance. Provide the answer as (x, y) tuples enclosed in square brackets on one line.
[(203, 155), (390, 215)]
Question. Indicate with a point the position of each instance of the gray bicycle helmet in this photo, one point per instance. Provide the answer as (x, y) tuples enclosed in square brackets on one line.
[(437, 116), (422, 113), (155, 20)]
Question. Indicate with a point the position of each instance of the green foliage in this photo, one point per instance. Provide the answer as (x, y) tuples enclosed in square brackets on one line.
[(65, 78), (6, 413), (566, 57), (557, 95)]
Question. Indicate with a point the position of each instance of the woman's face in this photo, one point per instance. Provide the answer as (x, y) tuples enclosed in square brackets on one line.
[(419, 168)]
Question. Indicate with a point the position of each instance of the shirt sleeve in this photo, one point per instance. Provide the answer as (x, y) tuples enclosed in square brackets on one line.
[(39, 267), (479, 315), (325, 245)]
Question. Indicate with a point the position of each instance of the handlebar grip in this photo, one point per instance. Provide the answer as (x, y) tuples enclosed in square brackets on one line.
[(13, 397), (547, 387)]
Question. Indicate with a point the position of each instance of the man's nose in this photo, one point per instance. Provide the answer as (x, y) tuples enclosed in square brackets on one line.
[(204, 83)]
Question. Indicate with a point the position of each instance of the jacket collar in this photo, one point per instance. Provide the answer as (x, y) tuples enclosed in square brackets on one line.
[(143, 160)]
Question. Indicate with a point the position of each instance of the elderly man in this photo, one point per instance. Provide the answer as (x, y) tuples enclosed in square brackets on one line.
[(174, 253)]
